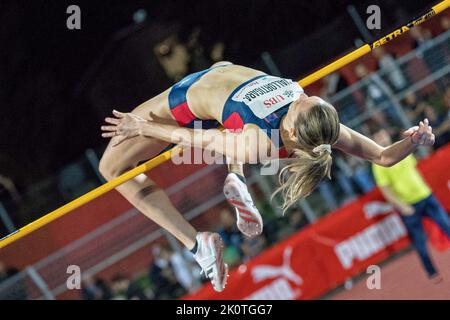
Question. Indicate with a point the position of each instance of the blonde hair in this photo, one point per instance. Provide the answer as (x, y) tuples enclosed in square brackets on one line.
[(316, 131)]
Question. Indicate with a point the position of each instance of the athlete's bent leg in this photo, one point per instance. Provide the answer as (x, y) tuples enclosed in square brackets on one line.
[(141, 191), (153, 202)]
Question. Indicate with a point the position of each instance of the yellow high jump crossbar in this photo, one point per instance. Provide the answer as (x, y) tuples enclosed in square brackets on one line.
[(167, 155)]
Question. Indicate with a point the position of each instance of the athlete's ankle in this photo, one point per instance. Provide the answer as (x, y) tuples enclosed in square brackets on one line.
[(241, 177), (194, 248)]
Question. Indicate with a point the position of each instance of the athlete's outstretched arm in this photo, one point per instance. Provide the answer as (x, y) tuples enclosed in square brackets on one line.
[(240, 147), (354, 143)]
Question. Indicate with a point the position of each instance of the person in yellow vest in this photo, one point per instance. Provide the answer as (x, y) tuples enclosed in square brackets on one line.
[(403, 186)]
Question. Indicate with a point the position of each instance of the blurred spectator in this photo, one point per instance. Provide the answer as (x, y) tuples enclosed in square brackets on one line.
[(362, 177), (174, 57), (362, 72), (17, 290), (228, 230), (74, 181), (420, 36), (251, 247), (232, 256), (433, 57), (445, 126), (272, 227), (439, 123), (325, 189), (217, 52), (105, 289), (231, 236), (3, 275), (444, 23), (376, 93), (186, 269), (89, 290), (387, 63), (360, 174), (403, 186), (332, 84), (412, 107), (446, 99), (8, 186), (161, 273), (124, 288), (293, 222), (343, 177), (297, 220), (197, 57), (346, 105), (95, 289), (372, 92), (445, 26)]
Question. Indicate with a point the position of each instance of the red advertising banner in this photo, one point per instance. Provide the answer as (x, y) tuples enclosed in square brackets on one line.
[(341, 245)]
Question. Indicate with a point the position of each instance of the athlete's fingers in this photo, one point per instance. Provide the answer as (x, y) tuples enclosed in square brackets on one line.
[(418, 136), (421, 127), (432, 139), (109, 128), (426, 131), (429, 141), (112, 120), (410, 131), (118, 114), (108, 134), (426, 125), (423, 138)]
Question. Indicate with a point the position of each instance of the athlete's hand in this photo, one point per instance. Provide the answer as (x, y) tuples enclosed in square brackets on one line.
[(124, 126), (421, 134)]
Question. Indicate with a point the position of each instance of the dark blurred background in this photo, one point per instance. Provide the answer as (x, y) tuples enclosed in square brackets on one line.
[(52, 79)]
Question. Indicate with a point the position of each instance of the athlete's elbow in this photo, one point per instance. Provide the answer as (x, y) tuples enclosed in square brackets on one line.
[(382, 159), (385, 161), (386, 164)]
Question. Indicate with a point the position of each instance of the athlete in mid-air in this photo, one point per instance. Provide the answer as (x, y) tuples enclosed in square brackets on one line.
[(275, 114)]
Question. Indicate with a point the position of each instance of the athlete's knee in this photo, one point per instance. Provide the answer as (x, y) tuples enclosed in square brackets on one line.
[(111, 169)]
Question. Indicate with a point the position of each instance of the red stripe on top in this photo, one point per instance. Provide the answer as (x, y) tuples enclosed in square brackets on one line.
[(234, 122), (183, 114), (245, 212), (237, 203), (248, 219)]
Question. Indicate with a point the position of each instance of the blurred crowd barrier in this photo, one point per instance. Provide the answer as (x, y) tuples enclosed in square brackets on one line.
[(123, 255)]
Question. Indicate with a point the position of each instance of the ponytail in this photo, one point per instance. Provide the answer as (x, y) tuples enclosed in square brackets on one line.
[(315, 131), (301, 174)]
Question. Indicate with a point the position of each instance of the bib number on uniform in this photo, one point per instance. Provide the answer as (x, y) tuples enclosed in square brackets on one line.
[(267, 94)]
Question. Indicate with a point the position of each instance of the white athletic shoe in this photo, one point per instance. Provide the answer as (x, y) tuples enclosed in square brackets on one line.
[(210, 258), (249, 220)]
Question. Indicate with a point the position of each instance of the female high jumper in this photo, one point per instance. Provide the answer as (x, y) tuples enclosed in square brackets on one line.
[(266, 118)]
